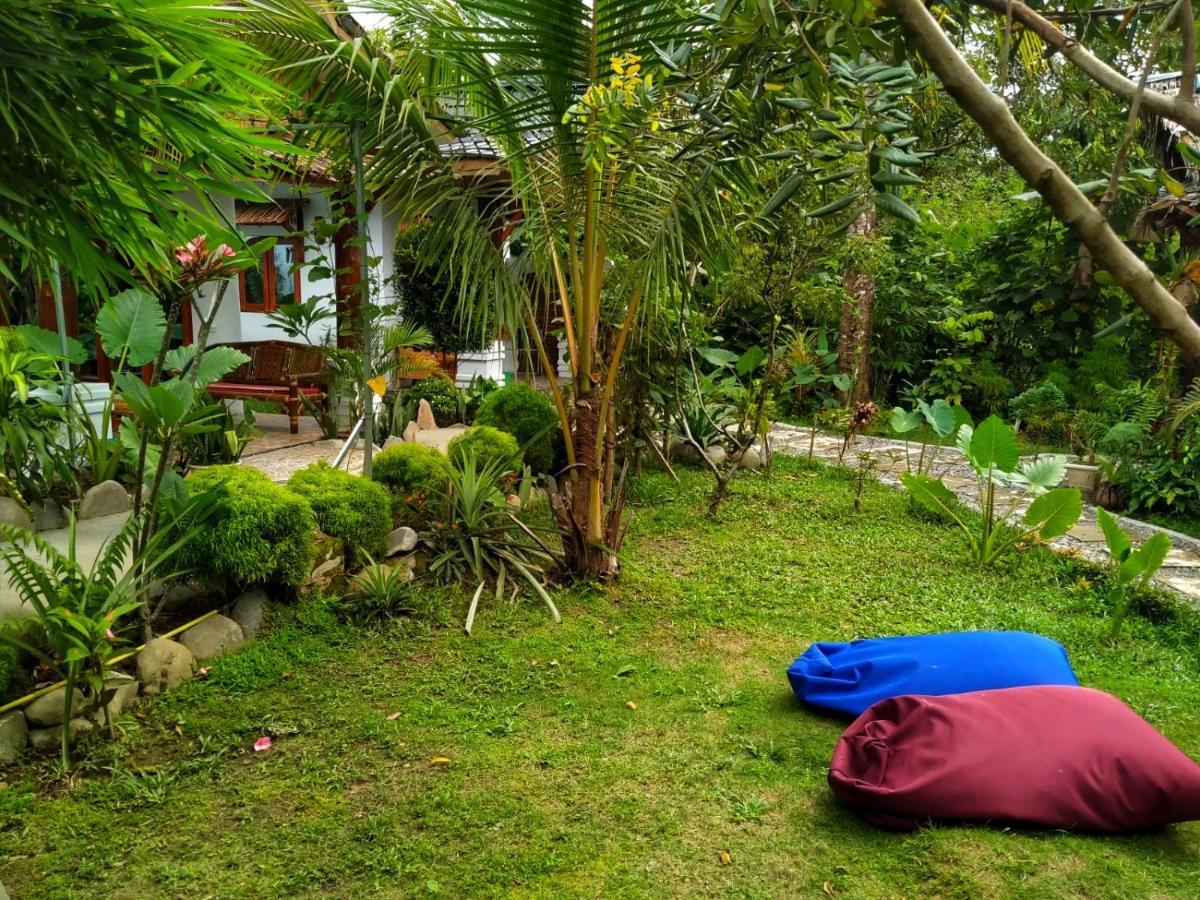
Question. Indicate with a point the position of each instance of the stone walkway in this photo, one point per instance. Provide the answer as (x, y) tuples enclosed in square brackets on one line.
[(1180, 573)]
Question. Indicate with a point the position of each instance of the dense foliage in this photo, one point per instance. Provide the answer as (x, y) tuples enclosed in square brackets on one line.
[(529, 416), (413, 473), (441, 395), (346, 506), (260, 533), (490, 447)]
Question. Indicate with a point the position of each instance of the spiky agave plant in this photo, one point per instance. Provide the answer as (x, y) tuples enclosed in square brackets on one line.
[(479, 540), (74, 629)]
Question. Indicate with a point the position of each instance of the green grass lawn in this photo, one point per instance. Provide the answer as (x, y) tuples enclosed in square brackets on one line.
[(615, 755)]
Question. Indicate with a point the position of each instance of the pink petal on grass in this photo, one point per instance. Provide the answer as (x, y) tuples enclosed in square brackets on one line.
[(263, 743)]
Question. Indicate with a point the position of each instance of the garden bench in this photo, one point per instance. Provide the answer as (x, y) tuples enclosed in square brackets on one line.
[(286, 372)]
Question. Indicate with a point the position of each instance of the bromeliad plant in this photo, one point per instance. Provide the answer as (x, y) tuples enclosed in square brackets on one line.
[(992, 451), (479, 539), (1134, 567)]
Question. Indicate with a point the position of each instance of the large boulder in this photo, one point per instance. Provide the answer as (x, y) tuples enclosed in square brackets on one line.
[(163, 664), (213, 637), (248, 611), (49, 738), (426, 421), (47, 710), (48, 515), (104, 499), (14, 736)]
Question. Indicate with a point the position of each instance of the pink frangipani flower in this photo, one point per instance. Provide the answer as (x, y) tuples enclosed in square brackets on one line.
[(263, 743), (108, 633)]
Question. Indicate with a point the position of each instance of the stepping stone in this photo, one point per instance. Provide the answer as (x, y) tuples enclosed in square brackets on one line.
[(1189, 587), (1177, 559), (1087, 532), (105, 499)]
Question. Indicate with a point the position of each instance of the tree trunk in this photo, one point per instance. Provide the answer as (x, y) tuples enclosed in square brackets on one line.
[(347, 264), (858, 316), (1067, 202)]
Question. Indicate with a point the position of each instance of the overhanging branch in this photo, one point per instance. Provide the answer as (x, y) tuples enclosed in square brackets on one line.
[(1067, 202)]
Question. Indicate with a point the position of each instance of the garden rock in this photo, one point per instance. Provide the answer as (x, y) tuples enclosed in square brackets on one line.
[(47, 710), (163, 664), (12, 514), (49, 738), (394, 441), (248, 611), (715, 454), (213, 637), (410, 432), (401, 540), (105, 499), (425, 418), (48, 516), (14, 736), (754, 457)]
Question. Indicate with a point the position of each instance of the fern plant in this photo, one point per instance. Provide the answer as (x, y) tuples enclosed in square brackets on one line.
[(75, 626)]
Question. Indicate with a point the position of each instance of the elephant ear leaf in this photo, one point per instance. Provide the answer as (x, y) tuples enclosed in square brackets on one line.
[(131, 326), (1145, 560), (941, 418), (1118, 541), (930, 493), (1055, 512), (904, 420), (1044, 473), (994, 446)]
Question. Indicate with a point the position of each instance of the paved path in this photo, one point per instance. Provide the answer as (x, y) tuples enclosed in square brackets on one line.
[(1180, 573)]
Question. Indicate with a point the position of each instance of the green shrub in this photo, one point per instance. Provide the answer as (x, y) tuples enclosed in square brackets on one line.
[(413, 473), (355, 509), (1042, 409), (529, 416), (259, 533), (12, 677), (490, 446), (441, 394)]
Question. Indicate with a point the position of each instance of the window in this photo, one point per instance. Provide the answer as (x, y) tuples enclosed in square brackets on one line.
[(276, 281)]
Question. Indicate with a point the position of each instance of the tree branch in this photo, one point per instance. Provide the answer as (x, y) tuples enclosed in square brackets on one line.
[(1065, 199), (1185, 113), (1187, 37)]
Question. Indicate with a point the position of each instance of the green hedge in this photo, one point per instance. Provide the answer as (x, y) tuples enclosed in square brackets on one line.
[(414, 474), (529, 416), (489, 445), (260, 532), (349, 507), (441, 394)]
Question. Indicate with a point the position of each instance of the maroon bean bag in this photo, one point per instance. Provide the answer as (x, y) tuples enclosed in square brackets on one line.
[(1054, 756)]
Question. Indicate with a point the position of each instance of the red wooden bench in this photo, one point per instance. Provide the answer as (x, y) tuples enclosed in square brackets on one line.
[(287, 372)]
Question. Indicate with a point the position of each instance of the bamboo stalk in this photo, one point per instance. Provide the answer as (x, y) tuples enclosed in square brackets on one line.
[(41, 692)]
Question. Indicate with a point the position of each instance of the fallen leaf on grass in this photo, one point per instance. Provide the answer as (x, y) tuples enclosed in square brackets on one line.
[(628, 703), (438, 760), (392, 717), (724, 858), (827, 889)]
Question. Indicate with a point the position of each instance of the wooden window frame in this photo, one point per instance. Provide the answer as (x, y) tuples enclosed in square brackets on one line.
[(270, 301)]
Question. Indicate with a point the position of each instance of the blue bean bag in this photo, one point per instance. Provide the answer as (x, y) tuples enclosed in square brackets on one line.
[(846, 679)]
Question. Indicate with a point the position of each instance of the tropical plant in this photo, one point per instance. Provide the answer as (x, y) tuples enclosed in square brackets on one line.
[(354, 509), (102, 455), (940, 417), (33, 423), (1133, 567), (297, 320), (472, 397), (107, 107), (424, 294), (992, 451), (528, 415), (1042, 410), (76, 626), (380, 591), (478, 539), (224, 442)]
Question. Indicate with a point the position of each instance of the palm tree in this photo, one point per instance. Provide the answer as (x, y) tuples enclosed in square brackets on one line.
[(607, 195), (113, 112)]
